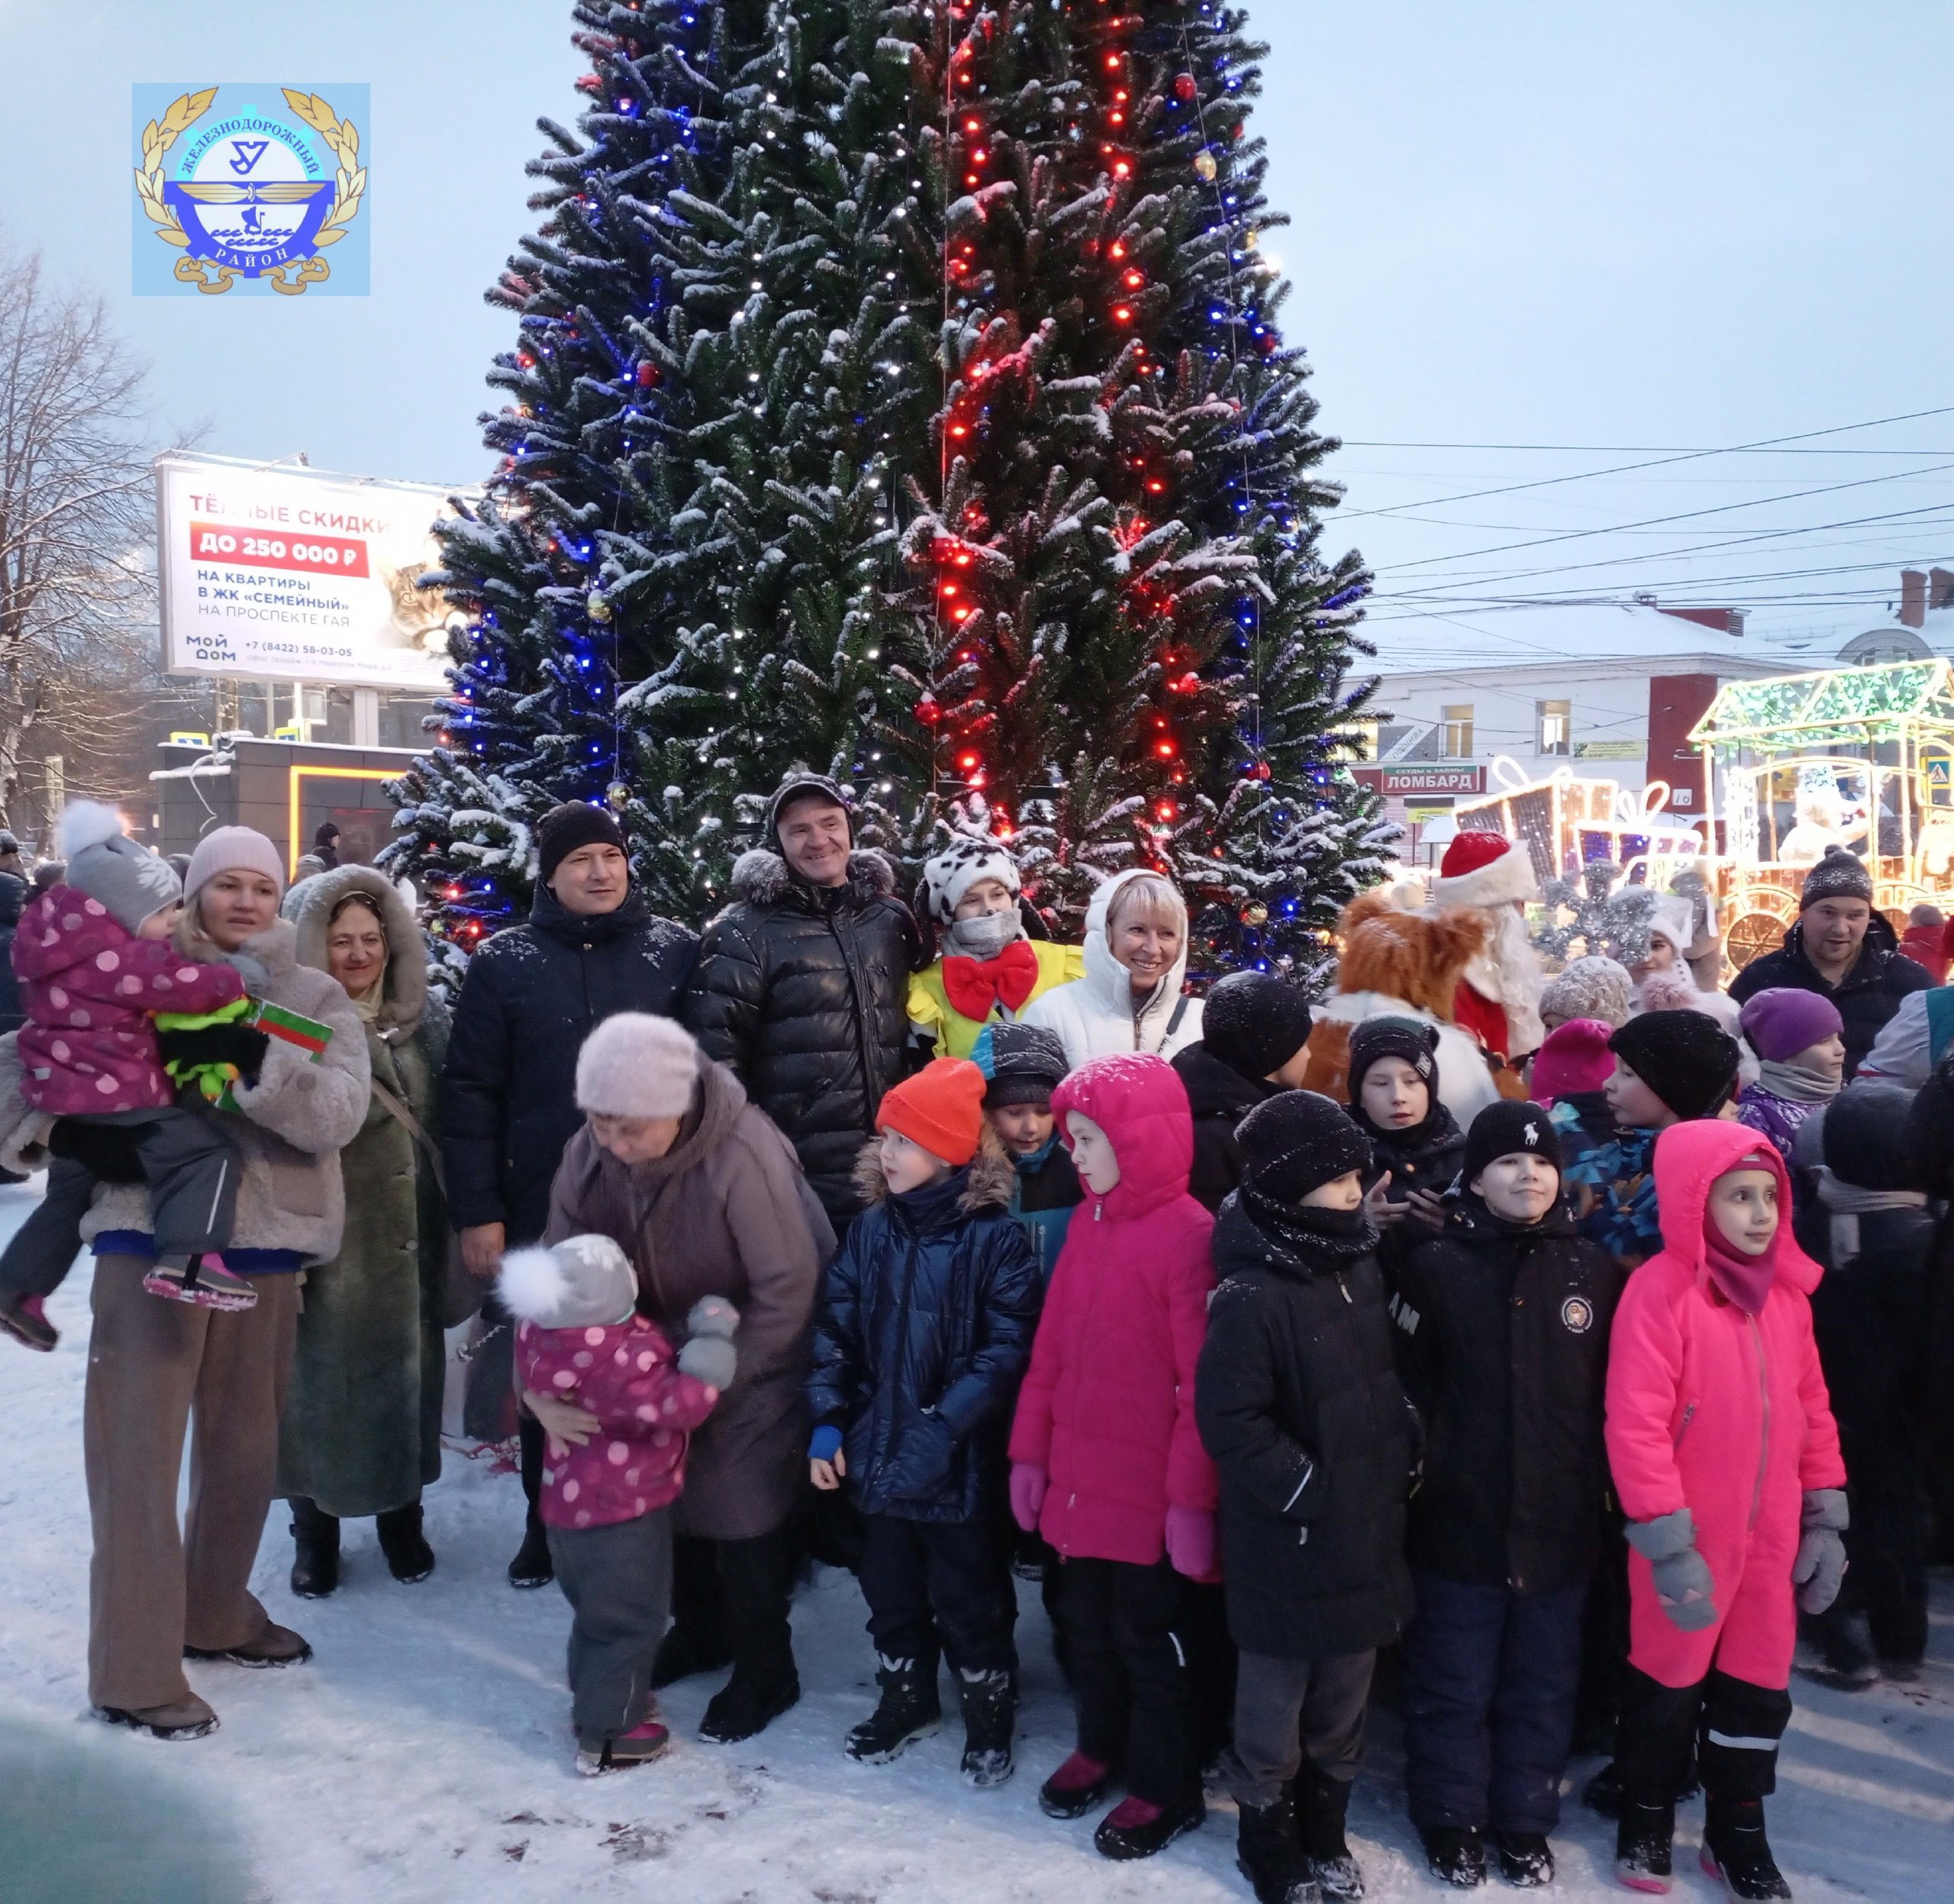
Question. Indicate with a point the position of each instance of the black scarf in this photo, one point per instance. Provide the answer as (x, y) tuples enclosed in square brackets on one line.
[(1325, 1240)]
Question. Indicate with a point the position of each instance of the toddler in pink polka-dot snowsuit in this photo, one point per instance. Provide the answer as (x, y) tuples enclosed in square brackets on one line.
[(608, 1489), (95, 964), (90, 987)]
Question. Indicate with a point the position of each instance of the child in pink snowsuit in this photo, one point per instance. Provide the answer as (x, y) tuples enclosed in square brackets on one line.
[(1726, 1461), (1106, 1462), (606, 1499), (95, 964)]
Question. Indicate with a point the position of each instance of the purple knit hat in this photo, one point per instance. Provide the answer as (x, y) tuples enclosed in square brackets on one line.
[(1575, 1057), (1784, 1021)]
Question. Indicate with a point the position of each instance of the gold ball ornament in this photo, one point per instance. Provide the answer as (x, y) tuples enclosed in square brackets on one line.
[(1207, 166), (1255, 913), (597, 605)]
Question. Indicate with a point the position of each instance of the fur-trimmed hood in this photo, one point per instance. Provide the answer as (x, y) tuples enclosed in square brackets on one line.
[(404, 992), (761, 877), (992, 1176)]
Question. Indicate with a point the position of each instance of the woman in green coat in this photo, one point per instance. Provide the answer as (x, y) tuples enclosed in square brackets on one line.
[(362, 1430)]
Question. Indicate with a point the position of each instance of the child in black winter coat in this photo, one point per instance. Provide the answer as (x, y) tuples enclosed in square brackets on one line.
[(1299, 1405), (1871, 1229), (1394, 1101), (1502, 1332), (1255, 1032), (921, 1337)]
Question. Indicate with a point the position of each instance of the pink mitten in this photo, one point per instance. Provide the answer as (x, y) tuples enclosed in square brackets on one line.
[(1028, 1483), (1191, 1543)]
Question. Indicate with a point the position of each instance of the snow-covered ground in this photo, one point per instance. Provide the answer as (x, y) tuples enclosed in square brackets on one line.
[(424, 1755)]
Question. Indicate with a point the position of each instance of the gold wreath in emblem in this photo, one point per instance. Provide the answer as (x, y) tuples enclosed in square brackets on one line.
[(349, 187)]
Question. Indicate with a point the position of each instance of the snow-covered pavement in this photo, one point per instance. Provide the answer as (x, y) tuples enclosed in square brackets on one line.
[(425, 1756)]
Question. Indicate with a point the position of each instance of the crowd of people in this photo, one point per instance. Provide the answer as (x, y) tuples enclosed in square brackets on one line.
[(1559, 1337)]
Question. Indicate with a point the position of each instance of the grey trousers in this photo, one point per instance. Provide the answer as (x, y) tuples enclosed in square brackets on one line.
[(618, 1582), (1286, 1709)]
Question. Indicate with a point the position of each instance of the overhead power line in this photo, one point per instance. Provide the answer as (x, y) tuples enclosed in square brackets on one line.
[(1623, 468)]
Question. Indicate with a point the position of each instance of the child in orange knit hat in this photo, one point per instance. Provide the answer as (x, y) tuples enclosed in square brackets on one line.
[(921, 1337)]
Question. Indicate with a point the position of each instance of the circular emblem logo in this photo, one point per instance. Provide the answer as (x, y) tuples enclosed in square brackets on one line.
[(252, 195), (1578, 1314)]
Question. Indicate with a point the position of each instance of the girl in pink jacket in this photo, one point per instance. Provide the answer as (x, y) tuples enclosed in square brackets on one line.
[(1726, 1461), (1107, 1461)]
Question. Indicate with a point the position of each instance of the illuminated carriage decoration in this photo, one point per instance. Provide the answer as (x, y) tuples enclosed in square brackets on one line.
[(1860, 757)]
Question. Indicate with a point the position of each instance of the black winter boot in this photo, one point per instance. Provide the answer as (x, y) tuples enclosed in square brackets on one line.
[(910, 1710), (1644, 1840), (749, 1701), (1456, 1855), (532, 1565), (315, 1560), (1736, 1850), (1845, 1660), (989, 1701), (1526, 1859), (1321, 1804), (409, 1557), (1268, 1855)]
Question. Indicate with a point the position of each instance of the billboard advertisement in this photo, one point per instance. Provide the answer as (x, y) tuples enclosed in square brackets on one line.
[(285, 574)]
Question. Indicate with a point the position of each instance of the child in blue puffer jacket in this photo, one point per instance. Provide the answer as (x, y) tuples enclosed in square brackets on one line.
[(921, 1337)]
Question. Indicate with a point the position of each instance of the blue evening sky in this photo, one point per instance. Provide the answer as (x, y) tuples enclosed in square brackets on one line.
[(1519, 223)]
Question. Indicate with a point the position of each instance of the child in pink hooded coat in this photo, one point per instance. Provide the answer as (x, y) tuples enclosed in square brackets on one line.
[(1726, 1461), (1107, 1461)]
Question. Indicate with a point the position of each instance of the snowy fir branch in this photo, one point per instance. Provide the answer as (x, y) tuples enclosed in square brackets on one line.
[(897, 389)]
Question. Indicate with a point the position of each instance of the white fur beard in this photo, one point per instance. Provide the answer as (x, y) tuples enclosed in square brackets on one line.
[(1508, 972)]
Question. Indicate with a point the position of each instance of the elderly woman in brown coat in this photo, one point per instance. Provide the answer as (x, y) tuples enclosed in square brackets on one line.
[(706, 1198)]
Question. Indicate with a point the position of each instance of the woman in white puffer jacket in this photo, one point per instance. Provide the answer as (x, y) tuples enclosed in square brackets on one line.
[(1135, 962)]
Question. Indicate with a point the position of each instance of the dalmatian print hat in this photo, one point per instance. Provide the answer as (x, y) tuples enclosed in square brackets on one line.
[(952, 873)]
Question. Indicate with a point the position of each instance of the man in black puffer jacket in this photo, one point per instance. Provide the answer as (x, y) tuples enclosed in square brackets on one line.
[(802, 987), (1298, 1403), (590, 947), (1843, 949), (1503, 1322)]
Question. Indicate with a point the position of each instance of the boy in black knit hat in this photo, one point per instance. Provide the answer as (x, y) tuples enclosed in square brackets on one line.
[(1502, 1330), (1299, 1404), (1394, 1101), (1670, 1067), (1254, 1030), (1023, 1065)]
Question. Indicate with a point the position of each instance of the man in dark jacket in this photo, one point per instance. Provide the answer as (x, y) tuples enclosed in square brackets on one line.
[(1503, 1324), (13, 896), (802, 985), (1253, 1029), (1299, 1405), (1843, 949), (591, 946)]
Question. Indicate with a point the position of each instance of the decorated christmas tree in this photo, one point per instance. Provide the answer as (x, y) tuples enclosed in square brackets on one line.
[(898, 392)]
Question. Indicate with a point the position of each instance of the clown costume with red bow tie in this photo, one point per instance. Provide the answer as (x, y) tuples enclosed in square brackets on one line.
[(990, 971), (1498, 1000)]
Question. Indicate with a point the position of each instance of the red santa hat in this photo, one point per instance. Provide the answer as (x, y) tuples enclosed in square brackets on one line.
[(1484, 869)]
